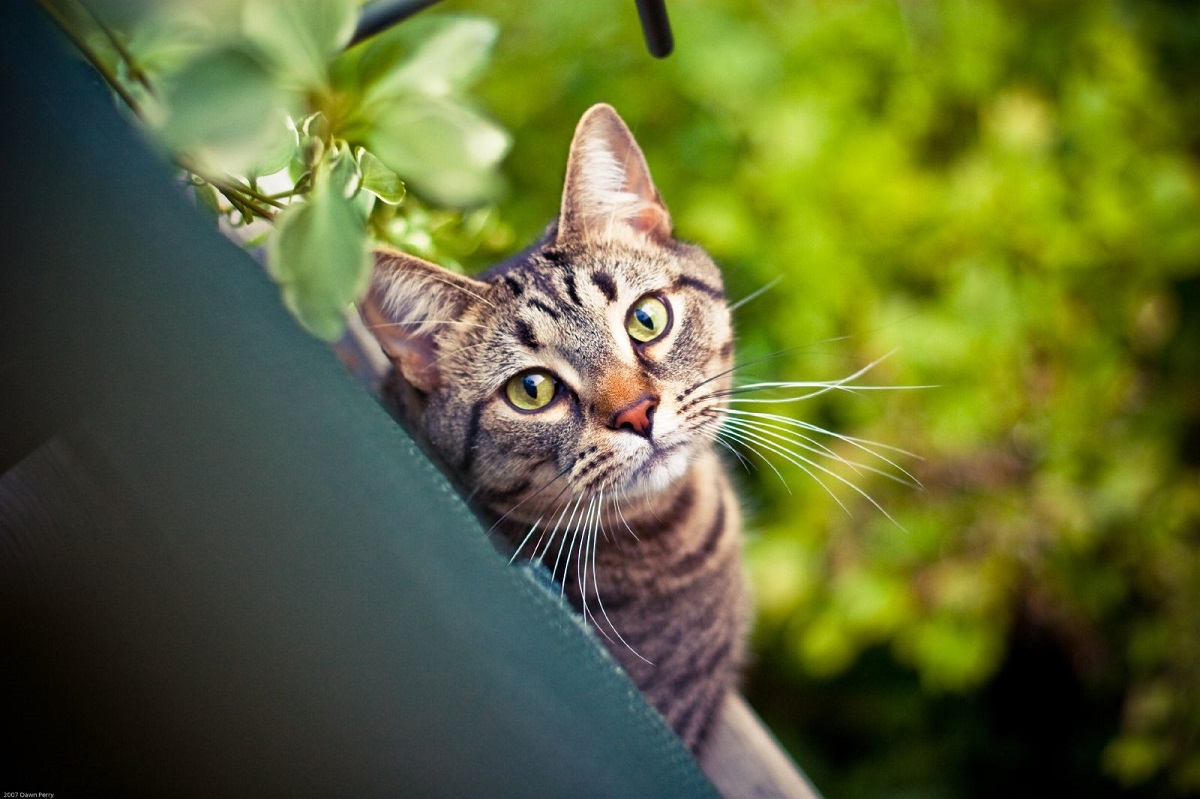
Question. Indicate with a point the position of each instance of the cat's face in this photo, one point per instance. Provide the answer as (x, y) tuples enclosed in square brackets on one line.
[(586, 365)]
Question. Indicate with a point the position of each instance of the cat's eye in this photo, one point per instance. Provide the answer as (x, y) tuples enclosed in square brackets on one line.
[(531, 390), (648, 319)]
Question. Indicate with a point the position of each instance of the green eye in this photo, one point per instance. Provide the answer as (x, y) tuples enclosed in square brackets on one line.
[(531, 390), (648, 319)]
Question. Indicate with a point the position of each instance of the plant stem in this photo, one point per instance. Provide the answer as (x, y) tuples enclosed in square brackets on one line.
[(246, 200), (135, 69), (105, 71)]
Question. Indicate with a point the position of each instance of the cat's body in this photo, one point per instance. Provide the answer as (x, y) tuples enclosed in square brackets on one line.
[(571, 392)]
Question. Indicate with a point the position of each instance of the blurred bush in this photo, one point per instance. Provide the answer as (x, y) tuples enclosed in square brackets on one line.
[(1007, 195)]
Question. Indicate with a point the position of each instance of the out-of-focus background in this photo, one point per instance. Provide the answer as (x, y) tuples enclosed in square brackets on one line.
[(1004, 195)]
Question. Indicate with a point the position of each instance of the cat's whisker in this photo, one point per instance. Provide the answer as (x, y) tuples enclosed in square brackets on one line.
[(539, 490), (751, 362), (736, 454), (571, 530), (624, 521), (751, 440), (821, 386), (704, 421), (860, 443), (796, 458), (731, 394), (754, 295), (525, 540), (801, 440), (580, 564), (787, 435), (553, 534), (740, 439), (603, 612)]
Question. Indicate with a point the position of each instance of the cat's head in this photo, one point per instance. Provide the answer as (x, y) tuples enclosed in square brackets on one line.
[(587, 363)]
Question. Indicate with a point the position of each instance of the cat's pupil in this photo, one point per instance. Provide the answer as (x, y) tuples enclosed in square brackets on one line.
[(530, 384), (644, 319)]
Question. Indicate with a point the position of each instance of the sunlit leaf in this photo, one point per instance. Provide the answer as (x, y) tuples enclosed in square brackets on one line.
[(318, 251), (226, 110), (379, 180), (447, 152), (300, 36), (436, 56)]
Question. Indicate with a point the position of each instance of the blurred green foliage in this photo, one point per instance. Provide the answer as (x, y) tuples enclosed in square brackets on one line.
[(300, 140), (1006, 195)]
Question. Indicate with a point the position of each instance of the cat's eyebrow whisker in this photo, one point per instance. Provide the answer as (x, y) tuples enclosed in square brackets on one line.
[(463, 289), (460, 350), (754, 295), (404, 322)]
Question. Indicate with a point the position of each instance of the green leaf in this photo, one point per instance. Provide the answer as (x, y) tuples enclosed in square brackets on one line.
[(444, 150), (225, 110), (436, 56), (318, 251), (379, 180), (300, 36)]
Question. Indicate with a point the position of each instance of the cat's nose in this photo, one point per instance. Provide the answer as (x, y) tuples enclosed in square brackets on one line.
[(637, 417)]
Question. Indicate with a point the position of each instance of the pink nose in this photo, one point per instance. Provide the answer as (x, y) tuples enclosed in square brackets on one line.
[(637, 417)]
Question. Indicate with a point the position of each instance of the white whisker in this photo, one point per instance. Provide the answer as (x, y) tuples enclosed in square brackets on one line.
[(603, 612), (798, 439), (738, 438), (796, 458), (525, 540), (861, 443)]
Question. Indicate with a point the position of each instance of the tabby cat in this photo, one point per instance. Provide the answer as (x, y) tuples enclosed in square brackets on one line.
[(574, 394)]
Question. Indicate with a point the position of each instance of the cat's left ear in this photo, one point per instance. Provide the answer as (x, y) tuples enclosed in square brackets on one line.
[(409, 307), (608, 188)]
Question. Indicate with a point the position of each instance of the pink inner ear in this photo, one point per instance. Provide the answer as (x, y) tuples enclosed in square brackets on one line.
[(652, 220), (416, 359)]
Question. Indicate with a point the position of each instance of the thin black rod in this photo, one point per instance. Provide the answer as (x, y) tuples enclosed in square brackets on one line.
[(656, 27), (379, 15)]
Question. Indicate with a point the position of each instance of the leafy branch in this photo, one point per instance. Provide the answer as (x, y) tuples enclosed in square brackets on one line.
[(272, 118)]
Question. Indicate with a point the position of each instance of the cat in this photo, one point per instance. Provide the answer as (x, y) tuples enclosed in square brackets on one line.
[(574, 393)]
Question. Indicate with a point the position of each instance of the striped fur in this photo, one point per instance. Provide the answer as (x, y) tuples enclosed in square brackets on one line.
[(640, 528)]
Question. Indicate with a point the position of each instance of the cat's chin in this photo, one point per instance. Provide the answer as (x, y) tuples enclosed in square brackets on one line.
[(658, 473)]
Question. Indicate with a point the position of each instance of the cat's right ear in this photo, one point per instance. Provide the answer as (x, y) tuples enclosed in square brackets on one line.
[(409, 304), (608, 187)]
